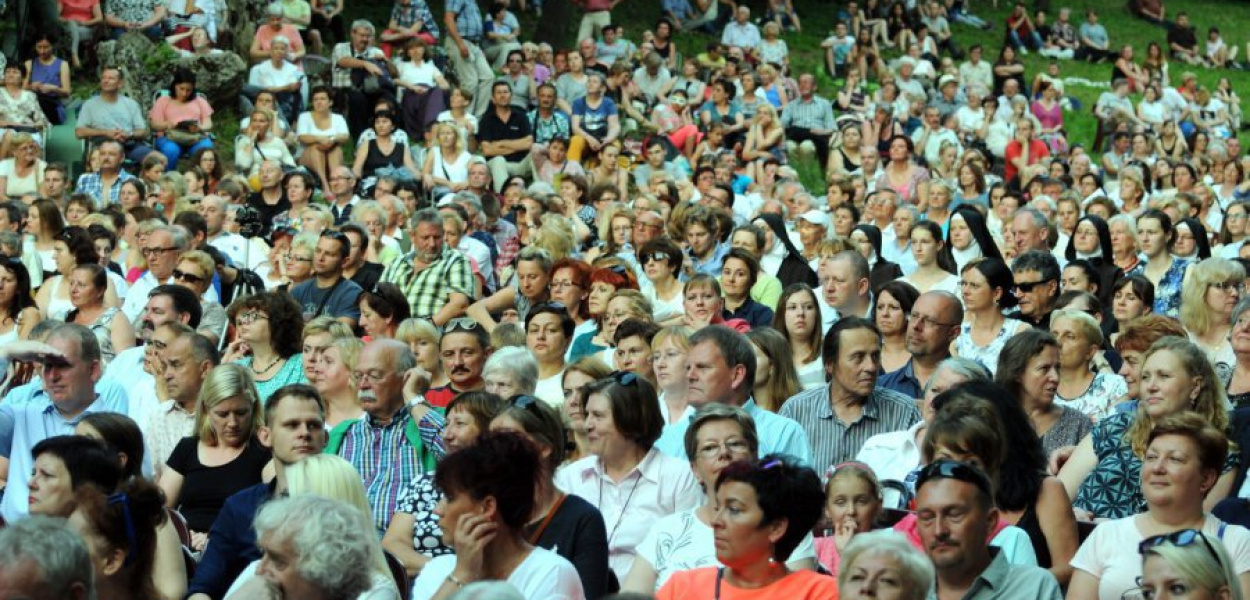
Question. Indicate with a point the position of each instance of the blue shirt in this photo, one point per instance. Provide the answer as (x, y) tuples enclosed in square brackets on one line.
[(24, 425), (903, 381), (594, 120), (712, 265), (233, 542), (777, 435), (468, 19), (755, 314)]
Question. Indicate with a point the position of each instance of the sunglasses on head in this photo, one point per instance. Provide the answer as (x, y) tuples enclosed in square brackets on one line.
[(1182, 538), (949, 469), (460, 324), (626, 378), (524, 402)]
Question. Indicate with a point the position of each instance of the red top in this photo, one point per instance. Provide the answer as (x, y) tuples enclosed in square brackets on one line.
[(78, 10)]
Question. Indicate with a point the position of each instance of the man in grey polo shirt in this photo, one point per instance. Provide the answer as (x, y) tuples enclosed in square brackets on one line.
[(841, 416)]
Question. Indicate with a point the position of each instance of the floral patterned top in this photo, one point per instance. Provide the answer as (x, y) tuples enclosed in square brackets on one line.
[(986, 355), (1113, 489), (1099, 398), (24, 109), (1168, 291), (418, 499)]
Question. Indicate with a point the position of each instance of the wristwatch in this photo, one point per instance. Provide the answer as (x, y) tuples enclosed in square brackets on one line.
[(417, 400)]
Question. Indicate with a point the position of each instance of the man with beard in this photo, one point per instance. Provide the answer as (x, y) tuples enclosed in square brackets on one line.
[(328, 292), (105, 184), (464, 348), (136, 367), (388, 446), (436, 280), (932, 326), (185, 362), (294, 429), (840, 416), (366, 274), (955, 516)]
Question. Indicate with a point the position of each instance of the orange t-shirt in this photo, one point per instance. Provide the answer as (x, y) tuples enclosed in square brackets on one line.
[(700, 584)]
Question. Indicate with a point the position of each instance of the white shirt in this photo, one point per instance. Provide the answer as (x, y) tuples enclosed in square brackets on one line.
[(265, 75), (658, 486), (543, 575), (893, 455), (745, 35), (551, 390), (137, 296), (126, 369)]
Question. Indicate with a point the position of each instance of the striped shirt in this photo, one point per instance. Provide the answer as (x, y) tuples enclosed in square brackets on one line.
[(816, 114), (385, 460), (430, 289), (834, 441)]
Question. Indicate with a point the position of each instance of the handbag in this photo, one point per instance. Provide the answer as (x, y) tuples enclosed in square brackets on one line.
[(183, 137)]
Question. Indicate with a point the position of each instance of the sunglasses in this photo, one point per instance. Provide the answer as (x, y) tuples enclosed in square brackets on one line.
[(1026, 288), (1182, 538), (460, 324), (184, 276), (949, 469)]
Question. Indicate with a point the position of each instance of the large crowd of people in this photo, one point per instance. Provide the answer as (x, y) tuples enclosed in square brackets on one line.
[(479, 317)]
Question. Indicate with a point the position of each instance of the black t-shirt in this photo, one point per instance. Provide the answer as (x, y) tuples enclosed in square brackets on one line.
[(268, 211), (577, 533), (1183, 36), (493, 129), (368, 275), (205, 489)]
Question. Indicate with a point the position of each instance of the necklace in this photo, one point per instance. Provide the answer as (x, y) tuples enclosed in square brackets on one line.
[(620, 517), (266, 369)]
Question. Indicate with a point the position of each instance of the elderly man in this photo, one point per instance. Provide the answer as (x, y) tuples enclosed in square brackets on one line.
[(277, 76), (464, 348), (105, 184), (343, 193), (71, 368), (955, 516), (931, 328), (187, 361), (1031, 231), (329, 292), (721, 369), (842, 415), (297, 566), (648, 225), (808, 120), (111, 116), (355, 62), (546, 121), (741, 33), (41, 557), (389, 445), (164, 247), (932, 135), (844, 285), (294, 429), (505, 137), (1037, 287), (437, 280)]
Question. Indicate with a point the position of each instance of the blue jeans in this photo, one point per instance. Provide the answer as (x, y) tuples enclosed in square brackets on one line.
[(173, 151), (1035, 40)]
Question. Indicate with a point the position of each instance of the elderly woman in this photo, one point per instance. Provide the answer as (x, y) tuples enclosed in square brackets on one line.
[(1093, 394), (1180, 468), (222, 457), (414, 535), (565, 524), (1103, 473), (333, 379), (510, 371), (270, 327), (622, 419), (382, 309), (1211, 291), (259, 143), (297, 563), (1123, 229), (773, 495), (881, 564), (718, 436), (181, 119), (88, 284), (490, 492), (548, 332), (890, 313), (1029, 368), (22, 173)]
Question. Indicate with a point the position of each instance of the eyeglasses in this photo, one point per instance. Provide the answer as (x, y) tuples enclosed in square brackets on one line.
[(1027, 287), (733, 447), (251, 316), (374, 376), (294, 258), (183, 275), (124, 500), (1228, 286), (949, 469), (1182, 538), (150, 252), (460, 324), (927, 321)]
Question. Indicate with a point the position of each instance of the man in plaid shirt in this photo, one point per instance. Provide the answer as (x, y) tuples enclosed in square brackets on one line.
[(437, 280)]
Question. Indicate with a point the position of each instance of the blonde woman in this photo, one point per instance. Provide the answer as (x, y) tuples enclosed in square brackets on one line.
[(765, 139), (328, 476), (669, 349), (1210, 294), (423, 339), (446, 165), (616, 231), (222, 456), (382, 248), (775, 378), (258, 143), (333, 379)]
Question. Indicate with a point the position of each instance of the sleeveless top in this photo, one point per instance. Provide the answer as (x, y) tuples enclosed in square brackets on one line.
[(59, 308), (986, 355), (102, 327), (376, 159), (51, 75), (1037, 538)]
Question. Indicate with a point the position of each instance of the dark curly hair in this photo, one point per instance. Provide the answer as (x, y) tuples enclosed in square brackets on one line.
[(286, 319), (783, 490), (501, 465)]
